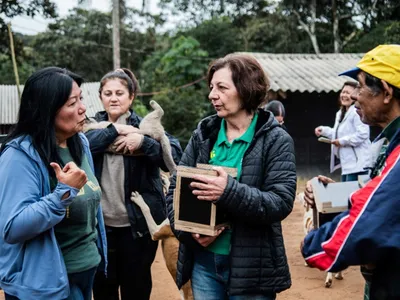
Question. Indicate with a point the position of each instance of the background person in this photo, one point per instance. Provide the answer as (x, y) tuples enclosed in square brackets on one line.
[(350, 148), (49, 196), (247, 261), (278, 110), (368, 233), (131, 250)]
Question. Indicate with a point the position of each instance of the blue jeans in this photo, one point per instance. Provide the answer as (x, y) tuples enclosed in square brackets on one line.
[(352, 177), (210, 278), (81, 284), (10, 297)]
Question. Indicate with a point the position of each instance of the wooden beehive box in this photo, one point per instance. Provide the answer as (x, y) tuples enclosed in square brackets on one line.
[(331, 199), (194, 215)]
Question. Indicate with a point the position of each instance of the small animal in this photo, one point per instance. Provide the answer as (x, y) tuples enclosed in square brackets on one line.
[(308, 225), (151, 126), (163, 232)]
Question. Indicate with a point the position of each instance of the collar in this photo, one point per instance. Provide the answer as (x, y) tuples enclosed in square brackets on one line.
[(245, 137), (390, 130)]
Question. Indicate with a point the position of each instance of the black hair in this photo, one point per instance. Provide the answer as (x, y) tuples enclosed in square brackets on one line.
[(376, 85), (276, 107), (45, 92)]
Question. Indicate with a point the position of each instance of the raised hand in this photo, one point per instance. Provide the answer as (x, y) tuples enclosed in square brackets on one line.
[(318, 131), (308, 192), (70, 175)]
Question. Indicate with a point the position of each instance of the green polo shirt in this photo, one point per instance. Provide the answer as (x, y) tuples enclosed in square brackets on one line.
[(229, 154)]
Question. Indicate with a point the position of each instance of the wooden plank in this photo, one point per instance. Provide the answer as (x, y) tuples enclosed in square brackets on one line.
[(230, 171), (191, 214), (199, 228)]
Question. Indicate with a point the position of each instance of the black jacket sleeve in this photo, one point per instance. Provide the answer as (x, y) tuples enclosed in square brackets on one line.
[(100, 139)]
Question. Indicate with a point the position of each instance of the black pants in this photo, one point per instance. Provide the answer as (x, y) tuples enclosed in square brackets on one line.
[(129, 266)]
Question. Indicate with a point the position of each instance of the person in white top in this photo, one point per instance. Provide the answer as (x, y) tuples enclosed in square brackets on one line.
[(349, 138)]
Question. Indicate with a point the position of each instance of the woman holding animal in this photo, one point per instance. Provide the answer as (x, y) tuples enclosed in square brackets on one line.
[(247, 260), (131, 250), (349, 137), (52, 229)]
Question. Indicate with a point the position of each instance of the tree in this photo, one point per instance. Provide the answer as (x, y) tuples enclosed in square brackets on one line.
[(218, 35), (166, 72), (82, 42), (197, 11), (8, 10)]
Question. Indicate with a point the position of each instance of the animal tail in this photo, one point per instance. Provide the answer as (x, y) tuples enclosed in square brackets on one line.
[(157, 107), (167, 153)]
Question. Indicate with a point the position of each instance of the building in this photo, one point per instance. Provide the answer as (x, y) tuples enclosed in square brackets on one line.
[(9, 103), (307, 84)]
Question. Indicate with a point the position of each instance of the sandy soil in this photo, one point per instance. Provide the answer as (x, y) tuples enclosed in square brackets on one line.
[(307, 283)]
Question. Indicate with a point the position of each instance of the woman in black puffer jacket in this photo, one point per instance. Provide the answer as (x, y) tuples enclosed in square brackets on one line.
[(248, 260)]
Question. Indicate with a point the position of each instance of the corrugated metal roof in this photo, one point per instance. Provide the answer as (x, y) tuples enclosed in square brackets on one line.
[(9, 103), (307, 72)]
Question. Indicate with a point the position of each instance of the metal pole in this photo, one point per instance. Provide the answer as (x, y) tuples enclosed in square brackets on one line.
[(115, 22), (14, 60)]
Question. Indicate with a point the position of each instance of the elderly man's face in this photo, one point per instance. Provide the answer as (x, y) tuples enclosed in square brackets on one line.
[(369, 105)]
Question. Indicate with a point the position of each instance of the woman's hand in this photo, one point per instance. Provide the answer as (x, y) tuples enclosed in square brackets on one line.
[(210, 188), (129, 143), (336, 143), (70, 175), (308, 192), (206, 240), (125, 129), (318, 131)]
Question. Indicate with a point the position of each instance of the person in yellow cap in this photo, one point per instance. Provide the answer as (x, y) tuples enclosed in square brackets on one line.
[(368, 234)]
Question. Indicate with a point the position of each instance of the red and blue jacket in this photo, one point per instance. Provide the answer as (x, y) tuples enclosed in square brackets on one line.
[(369, 231)]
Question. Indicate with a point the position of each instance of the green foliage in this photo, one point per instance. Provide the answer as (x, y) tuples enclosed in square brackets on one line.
[(169, 69), (139, 108), (392, 33), (385, 33), (218, 35), (82, 42), (7, 71), (182, 62), (275, 33), (182, 111), (13, 8)]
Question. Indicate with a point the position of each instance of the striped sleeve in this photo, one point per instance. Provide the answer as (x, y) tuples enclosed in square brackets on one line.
[(366, 232)]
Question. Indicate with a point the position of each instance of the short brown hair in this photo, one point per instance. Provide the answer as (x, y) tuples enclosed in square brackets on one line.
[(248, 77)]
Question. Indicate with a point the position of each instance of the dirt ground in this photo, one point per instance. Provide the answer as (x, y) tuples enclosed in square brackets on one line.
[(308, 284)]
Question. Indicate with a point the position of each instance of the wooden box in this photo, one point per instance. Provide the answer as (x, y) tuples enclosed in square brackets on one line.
[(331, 199), (194, 215)]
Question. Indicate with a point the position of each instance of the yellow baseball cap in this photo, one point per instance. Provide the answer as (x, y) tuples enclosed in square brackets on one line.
[(383, 62)]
